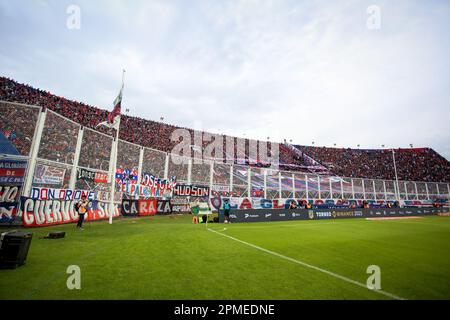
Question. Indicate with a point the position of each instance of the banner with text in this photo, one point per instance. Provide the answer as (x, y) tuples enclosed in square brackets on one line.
[(12, 172), (92, 176), (9, 203), (191, 190), (134, 208), (45, 174), (42, 213)]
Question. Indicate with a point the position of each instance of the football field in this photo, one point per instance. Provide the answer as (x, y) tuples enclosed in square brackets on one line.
[(166, 257)]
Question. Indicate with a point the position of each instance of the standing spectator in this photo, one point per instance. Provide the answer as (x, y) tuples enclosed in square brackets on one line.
[(82, 208)]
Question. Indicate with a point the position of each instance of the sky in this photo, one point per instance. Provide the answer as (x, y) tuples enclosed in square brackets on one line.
[(334, 72)]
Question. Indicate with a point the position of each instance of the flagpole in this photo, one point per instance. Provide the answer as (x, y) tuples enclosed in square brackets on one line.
[(114, 164)]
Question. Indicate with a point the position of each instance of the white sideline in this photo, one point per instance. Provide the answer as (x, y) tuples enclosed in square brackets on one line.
[(387, 294)]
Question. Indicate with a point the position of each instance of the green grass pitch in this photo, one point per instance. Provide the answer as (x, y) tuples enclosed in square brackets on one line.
[(169, 258)]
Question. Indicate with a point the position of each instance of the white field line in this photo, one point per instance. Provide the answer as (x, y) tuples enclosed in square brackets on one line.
[(362, 285)]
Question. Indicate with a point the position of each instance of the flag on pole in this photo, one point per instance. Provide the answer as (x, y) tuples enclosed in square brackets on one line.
[(114, 116), (114, 122)]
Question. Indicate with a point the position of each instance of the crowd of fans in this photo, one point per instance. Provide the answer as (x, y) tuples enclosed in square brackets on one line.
[(415, 164), (412, 164), (201, 172), (154, 162), (95, 150), (59, 139), (17, 124), (221, 174)]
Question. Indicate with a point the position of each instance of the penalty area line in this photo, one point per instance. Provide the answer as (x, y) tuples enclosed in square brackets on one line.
[(338, 276)]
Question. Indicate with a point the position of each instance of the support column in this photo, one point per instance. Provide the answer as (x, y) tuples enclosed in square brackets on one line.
[(406, 190), (141, 162), (34, 153), (331, 188), (448, 189), (211, 175), (318, 187), (374, 190), (166, 166), (293, 186), (417, 192), (353, 190), (280, 191), (364, 189), (73, 173), (265, 184), (307, 188), (189, 174), (231, 179), (249, 182)]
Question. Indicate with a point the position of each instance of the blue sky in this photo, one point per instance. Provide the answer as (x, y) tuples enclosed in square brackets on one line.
[(301, 70)]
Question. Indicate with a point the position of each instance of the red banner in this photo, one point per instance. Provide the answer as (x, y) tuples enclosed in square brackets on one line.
[(101, 177), (42, 213), (12, 172), (147, 207)]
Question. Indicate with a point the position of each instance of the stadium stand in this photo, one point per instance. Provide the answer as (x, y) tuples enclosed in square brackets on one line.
[(418, 164), (415, 164)]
